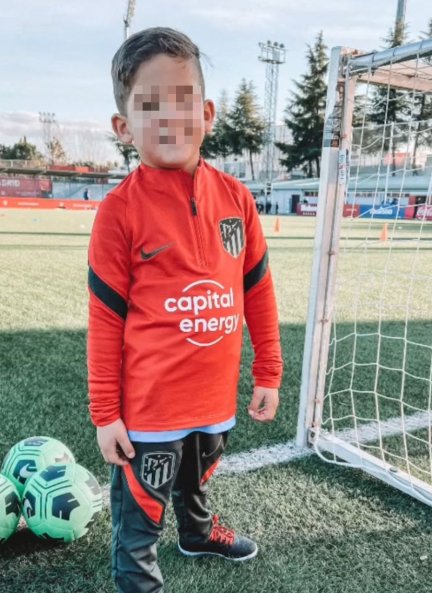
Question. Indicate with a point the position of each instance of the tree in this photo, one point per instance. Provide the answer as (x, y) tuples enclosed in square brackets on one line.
[(21, 150), (389, 108), (245, 127), (56, 151), (127, 151), (218, 142), (305, 114), (422, 117)]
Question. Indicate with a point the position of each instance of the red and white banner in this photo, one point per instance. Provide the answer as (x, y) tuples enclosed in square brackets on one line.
[(424, 212), (47, 204), (351, 210), (306, 210), (24, 187)]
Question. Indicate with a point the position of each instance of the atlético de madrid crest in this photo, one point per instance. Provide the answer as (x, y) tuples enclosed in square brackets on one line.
[(232, 234), (157, 468)]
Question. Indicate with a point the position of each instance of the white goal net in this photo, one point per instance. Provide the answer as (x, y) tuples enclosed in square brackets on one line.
[(367, 373)]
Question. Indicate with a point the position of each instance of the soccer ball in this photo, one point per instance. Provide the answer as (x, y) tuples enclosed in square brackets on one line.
[(61, 501), (10, 508), (30, 456)]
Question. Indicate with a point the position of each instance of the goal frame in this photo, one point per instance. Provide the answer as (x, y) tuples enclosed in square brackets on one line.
[(346, 68)]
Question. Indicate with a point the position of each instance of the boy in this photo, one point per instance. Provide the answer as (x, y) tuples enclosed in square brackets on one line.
[(176, 258)]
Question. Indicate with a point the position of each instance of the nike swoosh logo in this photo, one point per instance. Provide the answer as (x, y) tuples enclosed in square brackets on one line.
[(24, 473), (151, 254), (63, 459), (207, 455), (28, 509)]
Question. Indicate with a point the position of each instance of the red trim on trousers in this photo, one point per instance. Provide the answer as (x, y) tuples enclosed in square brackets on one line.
[(149, 505), (210, 472)]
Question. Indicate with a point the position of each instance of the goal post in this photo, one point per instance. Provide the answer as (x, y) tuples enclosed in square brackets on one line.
[(366, 392)]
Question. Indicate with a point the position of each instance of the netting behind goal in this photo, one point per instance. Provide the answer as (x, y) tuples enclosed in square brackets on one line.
[(367, 375)]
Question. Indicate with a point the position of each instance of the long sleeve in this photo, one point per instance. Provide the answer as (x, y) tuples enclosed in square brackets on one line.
[(260, 304), (109, 277)]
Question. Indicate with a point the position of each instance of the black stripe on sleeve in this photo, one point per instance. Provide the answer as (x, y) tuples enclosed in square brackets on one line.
[(107, 295), (257, 273)]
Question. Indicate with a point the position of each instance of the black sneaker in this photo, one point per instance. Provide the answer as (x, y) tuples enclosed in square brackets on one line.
[(222, 542)]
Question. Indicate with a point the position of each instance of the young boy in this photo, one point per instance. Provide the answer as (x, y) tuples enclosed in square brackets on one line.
[(177, 258)]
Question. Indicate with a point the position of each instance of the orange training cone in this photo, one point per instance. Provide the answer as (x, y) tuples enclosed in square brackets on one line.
[(384, 232), (277, 225)]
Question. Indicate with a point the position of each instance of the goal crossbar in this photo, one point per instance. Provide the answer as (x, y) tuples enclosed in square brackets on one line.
[(358, 64), (400, 65)]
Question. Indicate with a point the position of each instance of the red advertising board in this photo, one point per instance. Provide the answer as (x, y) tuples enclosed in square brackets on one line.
[(306, 210), (69, 168), (48, 204), (424, 212), (351, 210), (24, 187), (409, 211)]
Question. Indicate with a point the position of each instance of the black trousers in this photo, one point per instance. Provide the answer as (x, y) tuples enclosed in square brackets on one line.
[(139, 496)]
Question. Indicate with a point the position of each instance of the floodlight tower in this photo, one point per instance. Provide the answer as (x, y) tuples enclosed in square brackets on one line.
[(130, 11), (273, 54), (47, 120), (400, 13)]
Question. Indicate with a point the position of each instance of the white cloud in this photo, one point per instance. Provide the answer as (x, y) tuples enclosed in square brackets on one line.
[(45, 15), (81, 139), (14, 125), (58, 53), (235, 18), (242, 14)]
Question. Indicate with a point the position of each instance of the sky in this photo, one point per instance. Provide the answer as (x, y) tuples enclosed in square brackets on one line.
[(56, 55)]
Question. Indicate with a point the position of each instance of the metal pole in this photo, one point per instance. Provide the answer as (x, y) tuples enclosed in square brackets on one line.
[(400, 14), (273, 54), (47, 120), (336, 142), (130, 11)]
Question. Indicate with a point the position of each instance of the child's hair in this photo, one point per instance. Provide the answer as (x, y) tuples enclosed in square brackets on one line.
[(143, 46)]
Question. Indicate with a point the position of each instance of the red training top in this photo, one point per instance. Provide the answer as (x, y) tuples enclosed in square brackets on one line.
[(175, 262)]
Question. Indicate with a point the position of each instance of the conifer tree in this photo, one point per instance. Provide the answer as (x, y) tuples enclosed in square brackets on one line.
[(217, 143), (305, 114), (245, 125), (423, 117), (389, 108)]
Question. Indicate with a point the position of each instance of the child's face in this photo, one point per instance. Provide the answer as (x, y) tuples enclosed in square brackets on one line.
[(166, 117)]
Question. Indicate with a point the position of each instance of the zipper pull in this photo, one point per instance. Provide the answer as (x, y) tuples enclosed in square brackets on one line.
[(194, 207)]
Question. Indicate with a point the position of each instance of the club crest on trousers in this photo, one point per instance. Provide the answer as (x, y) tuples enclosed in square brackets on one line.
[(232, 233), (157, 468)]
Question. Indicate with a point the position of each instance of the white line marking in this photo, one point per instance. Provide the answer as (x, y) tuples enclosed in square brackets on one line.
[(284, 453)]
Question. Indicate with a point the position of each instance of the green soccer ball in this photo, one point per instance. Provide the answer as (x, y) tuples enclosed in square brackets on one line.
[(32, 455), (10, 508), (61, 502)]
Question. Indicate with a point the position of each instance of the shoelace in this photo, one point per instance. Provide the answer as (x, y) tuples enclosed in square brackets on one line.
[(220, 534)]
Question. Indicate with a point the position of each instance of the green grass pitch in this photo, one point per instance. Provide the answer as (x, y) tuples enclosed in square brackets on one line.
[(320, 528)]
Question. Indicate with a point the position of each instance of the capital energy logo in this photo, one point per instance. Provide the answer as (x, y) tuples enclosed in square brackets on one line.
[(196, 301)]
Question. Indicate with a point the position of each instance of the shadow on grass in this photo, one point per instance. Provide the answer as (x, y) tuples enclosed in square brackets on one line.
[(24, 543), (320, 529), (33, 565), (44, 386), (358, 486), (44, 392)]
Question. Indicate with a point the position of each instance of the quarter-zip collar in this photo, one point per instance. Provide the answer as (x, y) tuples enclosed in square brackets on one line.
[(157, 170), (189, 182)]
